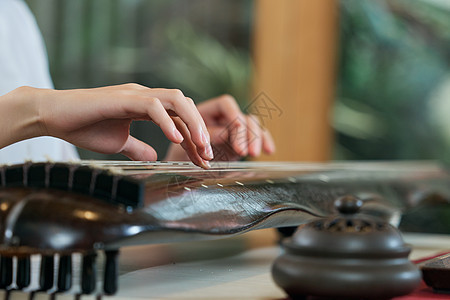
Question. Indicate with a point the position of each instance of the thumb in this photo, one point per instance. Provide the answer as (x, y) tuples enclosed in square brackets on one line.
[(138, 150)]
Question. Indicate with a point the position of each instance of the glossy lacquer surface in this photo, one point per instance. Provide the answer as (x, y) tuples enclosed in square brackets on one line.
[(108, 204)]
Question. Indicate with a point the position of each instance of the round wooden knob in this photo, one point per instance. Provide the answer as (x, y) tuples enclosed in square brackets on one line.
[(348, 204)]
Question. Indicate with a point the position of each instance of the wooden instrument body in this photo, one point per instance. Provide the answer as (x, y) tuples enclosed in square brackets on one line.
[(55, 208), (170, 202)]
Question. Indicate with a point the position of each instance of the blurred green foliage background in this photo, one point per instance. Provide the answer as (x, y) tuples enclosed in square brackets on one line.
[(393, 90)]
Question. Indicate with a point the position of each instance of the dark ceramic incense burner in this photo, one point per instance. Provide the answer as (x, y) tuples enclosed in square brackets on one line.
[(349, 255)]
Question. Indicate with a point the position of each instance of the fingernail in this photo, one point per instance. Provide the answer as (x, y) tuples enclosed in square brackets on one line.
[(178, 135), (206, 164), (209, 152), (256, 152), (271, 148), (205, 139), (243, 149)]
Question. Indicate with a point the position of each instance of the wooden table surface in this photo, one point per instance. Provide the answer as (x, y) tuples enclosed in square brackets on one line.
[(233, 268)]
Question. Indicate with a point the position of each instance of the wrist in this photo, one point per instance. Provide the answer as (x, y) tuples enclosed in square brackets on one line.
[(20, 117)]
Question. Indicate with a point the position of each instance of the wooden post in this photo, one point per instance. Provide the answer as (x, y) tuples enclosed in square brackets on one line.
[(295, 44)]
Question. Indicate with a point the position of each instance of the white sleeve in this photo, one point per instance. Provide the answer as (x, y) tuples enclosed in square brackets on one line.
[(23, 61)]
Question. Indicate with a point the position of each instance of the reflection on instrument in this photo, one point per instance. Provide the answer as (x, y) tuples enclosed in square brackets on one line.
[(54, 209)]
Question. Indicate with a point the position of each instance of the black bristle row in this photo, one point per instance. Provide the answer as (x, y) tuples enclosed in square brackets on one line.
[(46, 278), (87, 180), (22, 269), (88, 274), (23, 274), (98, 183), (6, 272), (111, 275), (64, 273)]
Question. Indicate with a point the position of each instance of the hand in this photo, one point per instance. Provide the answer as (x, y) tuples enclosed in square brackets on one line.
[(99, 119), (233, 134)]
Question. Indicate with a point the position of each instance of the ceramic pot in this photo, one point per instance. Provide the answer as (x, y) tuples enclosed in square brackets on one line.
[(348, 255)]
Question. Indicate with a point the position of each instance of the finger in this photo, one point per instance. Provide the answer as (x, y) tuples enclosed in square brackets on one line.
[(254, 136), (223, 107), (125, 86), (222, 148), (226, 109), (193, 155), (238, 136), (138, 150), (225, 153), (219, 135), (224, 142), (205, 150), (189, 146), (268, 145), (143, 107), (184, 108), (160, 117), (195, 109)]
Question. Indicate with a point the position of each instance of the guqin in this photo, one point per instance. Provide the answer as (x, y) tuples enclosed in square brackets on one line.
[(52, 210)]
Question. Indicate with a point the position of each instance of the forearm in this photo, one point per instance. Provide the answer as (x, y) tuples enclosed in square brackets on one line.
[(99, 119), (19, 116)]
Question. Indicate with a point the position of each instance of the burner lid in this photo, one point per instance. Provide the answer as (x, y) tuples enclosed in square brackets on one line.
[(348, 233)]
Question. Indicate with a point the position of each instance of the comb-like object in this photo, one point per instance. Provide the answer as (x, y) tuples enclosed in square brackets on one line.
[(54, 210)]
